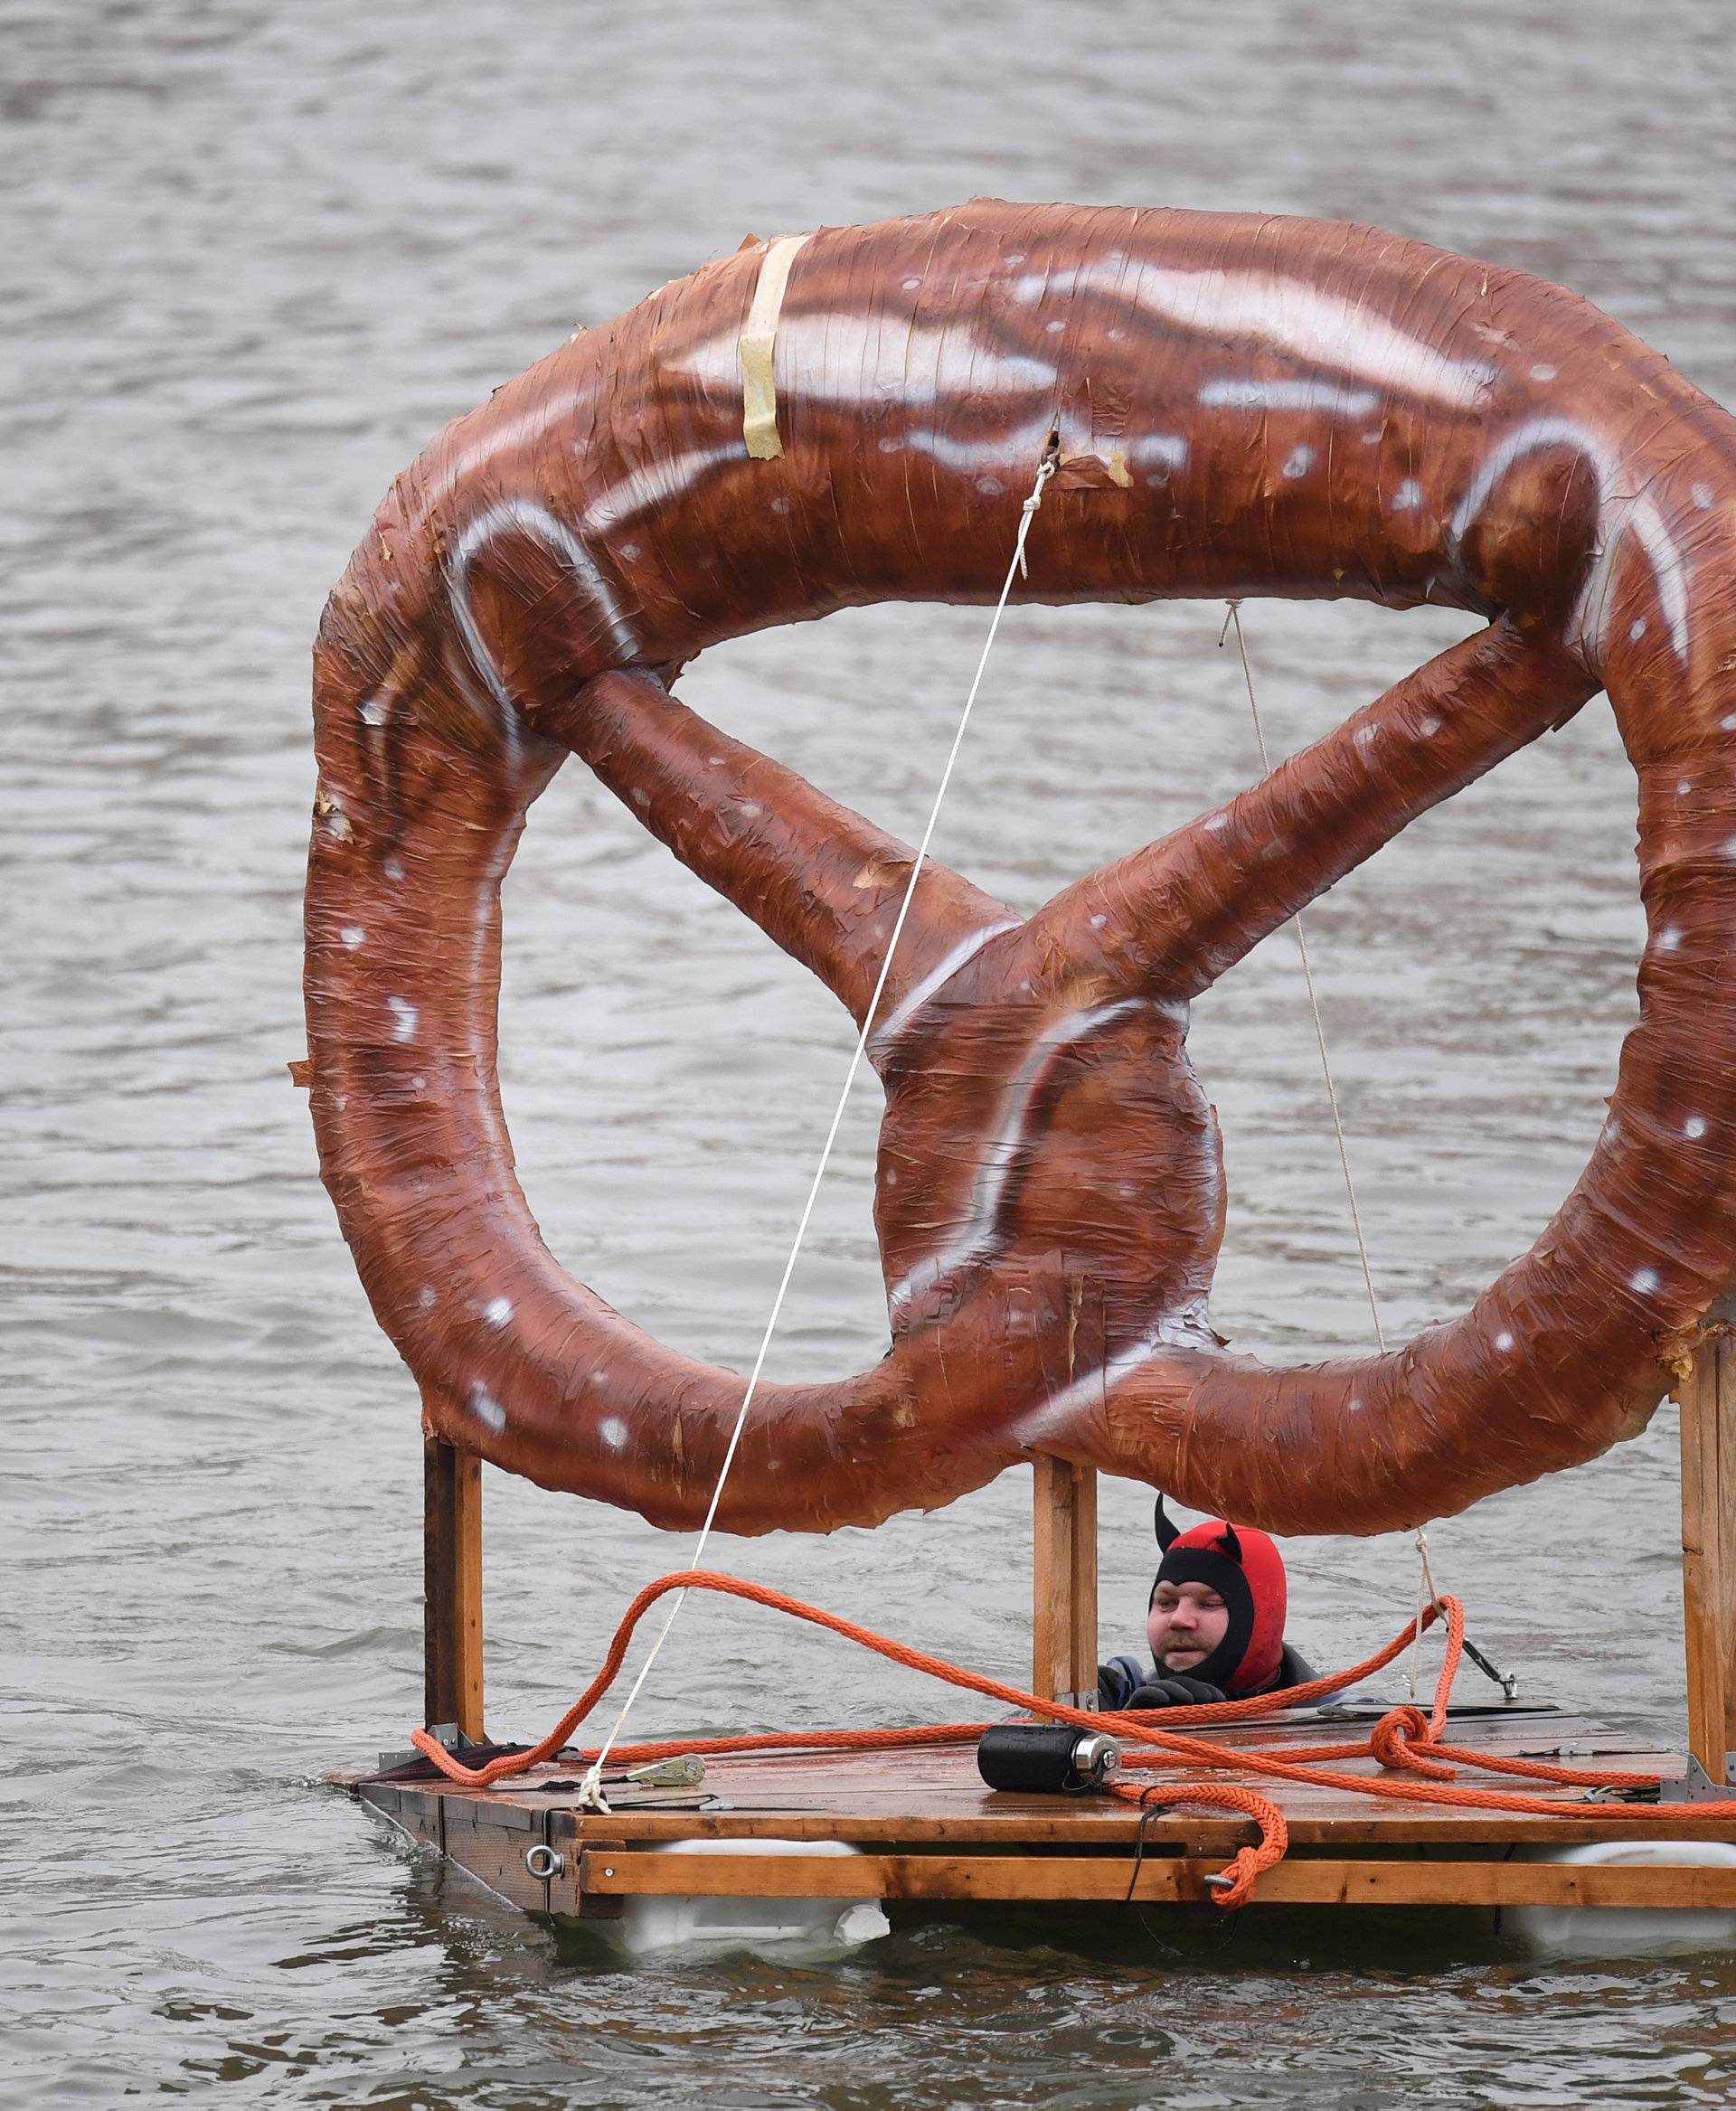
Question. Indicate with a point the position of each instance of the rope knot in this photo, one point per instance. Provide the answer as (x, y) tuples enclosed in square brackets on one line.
[(1399, 1739)]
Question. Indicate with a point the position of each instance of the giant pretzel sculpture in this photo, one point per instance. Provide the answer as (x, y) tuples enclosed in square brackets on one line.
[(1242, 406)]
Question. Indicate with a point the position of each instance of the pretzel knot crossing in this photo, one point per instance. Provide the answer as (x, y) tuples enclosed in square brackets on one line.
[(1048, 1159), (1244, 406)]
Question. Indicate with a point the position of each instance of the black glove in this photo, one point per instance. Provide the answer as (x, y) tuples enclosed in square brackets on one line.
[(1175, 1691)]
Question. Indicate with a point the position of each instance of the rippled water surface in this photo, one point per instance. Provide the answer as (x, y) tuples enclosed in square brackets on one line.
[(258, 255)]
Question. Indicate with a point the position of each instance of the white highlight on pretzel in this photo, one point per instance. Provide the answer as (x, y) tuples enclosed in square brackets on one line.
[(1246, 394), (1326, 329), (523, 516), (825, 357), (1619, 513), (880, 1040), (981, 1232)]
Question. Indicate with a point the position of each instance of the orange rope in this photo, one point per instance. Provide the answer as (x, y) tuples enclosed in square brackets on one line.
[(1249, 1863), (1403, 1741)]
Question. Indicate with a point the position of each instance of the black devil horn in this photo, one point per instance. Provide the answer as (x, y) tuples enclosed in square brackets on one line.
[(1167, 1532), (1230, 1543)]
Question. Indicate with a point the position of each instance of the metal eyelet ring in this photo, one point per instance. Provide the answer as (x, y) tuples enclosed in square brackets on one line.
[(543, 1861)]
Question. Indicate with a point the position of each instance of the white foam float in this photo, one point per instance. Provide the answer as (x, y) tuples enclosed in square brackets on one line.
[(813, 1927), (1627, 1931)]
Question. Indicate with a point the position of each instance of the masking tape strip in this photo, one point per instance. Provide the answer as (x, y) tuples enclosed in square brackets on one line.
[(758, 391)]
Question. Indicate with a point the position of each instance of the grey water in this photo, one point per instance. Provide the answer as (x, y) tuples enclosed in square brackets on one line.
[(257, 256)]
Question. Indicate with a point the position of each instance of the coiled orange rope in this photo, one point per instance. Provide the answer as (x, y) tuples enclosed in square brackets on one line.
[(1403, 1741)]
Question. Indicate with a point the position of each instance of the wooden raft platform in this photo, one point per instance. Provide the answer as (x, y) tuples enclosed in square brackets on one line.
[(928, 1829)]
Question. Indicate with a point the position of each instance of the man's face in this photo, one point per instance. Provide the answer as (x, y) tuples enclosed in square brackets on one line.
[(1186, 1622)]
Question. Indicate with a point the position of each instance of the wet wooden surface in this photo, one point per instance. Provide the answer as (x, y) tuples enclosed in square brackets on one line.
[(614, 1874), (933, 1798)]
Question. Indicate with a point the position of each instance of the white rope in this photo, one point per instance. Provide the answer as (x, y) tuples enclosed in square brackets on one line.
[(1234, 618), (590, 1793), (1426, 1591)]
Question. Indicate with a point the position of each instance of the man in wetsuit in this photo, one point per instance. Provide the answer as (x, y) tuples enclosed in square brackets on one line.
[(1216, 1623)]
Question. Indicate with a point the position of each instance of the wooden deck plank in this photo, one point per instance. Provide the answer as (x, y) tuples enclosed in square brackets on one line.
[(1297, 1880), (1190, 1831), (972, 1816), (591, 1873), (931, 1806), (949, 1770)]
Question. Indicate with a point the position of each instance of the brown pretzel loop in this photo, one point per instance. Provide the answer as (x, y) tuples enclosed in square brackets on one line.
[(1245, 406)]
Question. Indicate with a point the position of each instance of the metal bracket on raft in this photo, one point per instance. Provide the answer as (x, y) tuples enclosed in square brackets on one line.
[(1696, 1785), (446, 1735), (1507, 1681), (685, 1770)]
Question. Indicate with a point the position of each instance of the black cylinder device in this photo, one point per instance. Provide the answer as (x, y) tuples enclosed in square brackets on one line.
[(1046, 1758)]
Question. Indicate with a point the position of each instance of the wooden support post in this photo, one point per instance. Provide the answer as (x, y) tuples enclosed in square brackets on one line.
[(1063, 1640), (1707, 1399), (452, 1587)]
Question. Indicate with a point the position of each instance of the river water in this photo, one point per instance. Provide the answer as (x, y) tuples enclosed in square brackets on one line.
[(260, 254)]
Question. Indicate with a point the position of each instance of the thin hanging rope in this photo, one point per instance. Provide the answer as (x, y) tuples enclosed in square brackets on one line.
[(1234, 620), (1427, 1595), (590, 1789)]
